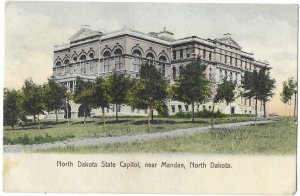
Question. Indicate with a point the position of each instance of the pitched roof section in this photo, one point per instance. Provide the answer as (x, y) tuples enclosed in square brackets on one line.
[(229, 41), (84, 33)]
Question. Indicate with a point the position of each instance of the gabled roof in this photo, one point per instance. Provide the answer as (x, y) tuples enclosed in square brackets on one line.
[(84, 33), (229, 41)]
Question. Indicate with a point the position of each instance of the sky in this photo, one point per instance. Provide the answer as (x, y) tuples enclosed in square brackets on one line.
[(32, 29)]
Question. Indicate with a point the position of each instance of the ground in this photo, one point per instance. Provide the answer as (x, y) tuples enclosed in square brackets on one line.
[(278, 136)]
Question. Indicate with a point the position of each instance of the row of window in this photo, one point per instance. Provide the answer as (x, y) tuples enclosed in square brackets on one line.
[(75, 59)]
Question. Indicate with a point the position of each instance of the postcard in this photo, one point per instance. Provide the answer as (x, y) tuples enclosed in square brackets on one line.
[(150, 97)]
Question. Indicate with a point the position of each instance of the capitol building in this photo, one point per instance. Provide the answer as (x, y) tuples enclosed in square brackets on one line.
[(91, 54)]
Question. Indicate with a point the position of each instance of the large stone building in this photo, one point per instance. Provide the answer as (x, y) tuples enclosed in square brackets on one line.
[(90, 54)]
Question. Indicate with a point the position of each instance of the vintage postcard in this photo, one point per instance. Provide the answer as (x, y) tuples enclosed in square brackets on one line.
[(141, 97)]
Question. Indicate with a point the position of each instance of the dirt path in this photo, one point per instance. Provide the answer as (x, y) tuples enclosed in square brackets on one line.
[(125, 138)]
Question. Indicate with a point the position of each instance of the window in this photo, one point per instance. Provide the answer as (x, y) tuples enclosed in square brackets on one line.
[(181, 53), (209, 107), (162, 65), (137, 60), (75, 59), (174, 73), (66, 62), (180, 69), (106, 60), (209, 56), (82, 58), (249, 102), (210, 74), (91, 55), (226, 75), (173, 108), (186, 108), (174, 54), (230, 60), (221, 74), (150, 59), (225, 59), (179, 108), (118, 59), (132, 109), (58, 63), (187, 53), (204, 54)]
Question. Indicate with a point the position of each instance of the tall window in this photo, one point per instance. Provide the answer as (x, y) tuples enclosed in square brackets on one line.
[(174, 54), (118, 59), (150, 59), (180, 69), (137, 60), (209, 56), (106, 61), (174, 73), (210, 74), (162, 65), (181, 53)]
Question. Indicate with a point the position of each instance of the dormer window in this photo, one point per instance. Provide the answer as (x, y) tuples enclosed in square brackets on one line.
[(58, 63), (91, 55), (75, 59), (82, 58), (66, 62)]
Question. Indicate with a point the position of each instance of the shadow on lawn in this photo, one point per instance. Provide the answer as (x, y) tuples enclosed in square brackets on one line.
[(170, 122)]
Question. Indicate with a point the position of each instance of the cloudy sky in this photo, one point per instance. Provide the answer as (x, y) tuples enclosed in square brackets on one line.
[(33, 28)]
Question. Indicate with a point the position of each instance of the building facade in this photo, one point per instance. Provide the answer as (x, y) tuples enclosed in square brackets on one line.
[(90, 54)]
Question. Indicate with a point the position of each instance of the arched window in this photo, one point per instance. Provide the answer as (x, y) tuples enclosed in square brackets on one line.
[(58, 63), (118, 59), (210, 74), (174, 73), (82, 58), (91, 55), (162, 65), (66, 62), (150, 59), (106, 60), (75, 59), (226, 75), (137, 60), (180, 69)]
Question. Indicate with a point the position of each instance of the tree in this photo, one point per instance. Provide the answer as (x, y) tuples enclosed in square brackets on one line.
[(149, 91), (100, 96), (53, 96), (11, 111), (117, 88), (83, 95), (225, 91), (31, 99), (266, 87), (289, 89), (192, 85)]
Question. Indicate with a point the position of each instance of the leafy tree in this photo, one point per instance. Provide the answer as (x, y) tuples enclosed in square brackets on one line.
[(149, 91), (53, 96), (251, 87), (11, 111), (83, 95), (192, 85), (289, 89), (266, 87), (224, 91), (31, 99), (100, 96), (117, 88)]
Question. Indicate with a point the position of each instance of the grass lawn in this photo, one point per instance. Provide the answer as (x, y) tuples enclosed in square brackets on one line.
[(275, 138), (94, 128)]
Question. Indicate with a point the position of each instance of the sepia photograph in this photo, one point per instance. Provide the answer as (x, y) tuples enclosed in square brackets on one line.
[(150, 96)]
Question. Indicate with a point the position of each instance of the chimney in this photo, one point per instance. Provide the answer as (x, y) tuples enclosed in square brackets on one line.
[(227, 35), (85, 26)]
